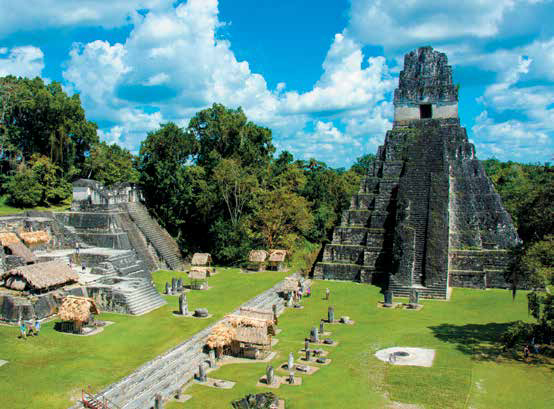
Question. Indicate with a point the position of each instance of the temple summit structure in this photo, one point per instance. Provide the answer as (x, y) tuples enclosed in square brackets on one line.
[(427, 216)]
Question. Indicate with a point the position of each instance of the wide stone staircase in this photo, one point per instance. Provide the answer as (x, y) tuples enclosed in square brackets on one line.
[(141, 297), (168, 372), (164, 244)]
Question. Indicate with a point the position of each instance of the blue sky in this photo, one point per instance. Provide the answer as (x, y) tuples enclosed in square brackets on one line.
[(320, 74)]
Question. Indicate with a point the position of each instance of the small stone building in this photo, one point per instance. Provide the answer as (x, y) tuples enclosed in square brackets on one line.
[(90, 193), (39, 278), (257, 260), (277, 260)]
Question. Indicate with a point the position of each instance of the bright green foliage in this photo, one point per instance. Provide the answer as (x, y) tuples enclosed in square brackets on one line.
[(363, 164), (164, 176), (527, 193), (282, 218), (40, 183), (539, 259), (224, 133), (23, 189), (236, 184), (109, 164), (329, 191), (43, 119), (217, 187)]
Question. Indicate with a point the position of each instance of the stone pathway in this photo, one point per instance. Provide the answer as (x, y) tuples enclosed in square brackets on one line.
[(168, 372)]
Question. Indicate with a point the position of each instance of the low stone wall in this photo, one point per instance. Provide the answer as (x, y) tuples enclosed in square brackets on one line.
[(468, 279)]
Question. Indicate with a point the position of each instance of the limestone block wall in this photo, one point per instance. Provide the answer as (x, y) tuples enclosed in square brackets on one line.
[(412, 112)]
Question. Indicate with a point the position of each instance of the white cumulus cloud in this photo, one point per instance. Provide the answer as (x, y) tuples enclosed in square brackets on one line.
[(26, 61)]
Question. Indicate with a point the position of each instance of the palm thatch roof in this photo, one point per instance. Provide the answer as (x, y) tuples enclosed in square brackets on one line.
[(290, 284), (257, 313), (21, 250), (252, 335), (43, 275), (35, 237), (198, 273), (77, 309), (201, 259), (7, 238), (257, 256), (277, 255), (237, 321), (221, 335)]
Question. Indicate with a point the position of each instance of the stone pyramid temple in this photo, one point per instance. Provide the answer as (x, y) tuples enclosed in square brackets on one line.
[(427, 216)]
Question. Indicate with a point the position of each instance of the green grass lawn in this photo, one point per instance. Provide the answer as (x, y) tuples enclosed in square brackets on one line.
[(49, 370), (6, 209), (467, 371)]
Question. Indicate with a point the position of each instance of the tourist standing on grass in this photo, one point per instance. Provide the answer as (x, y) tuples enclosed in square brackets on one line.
[(308, 291), (31, 329), (526, 352), (327, 293), (37, 327), (22, 329)]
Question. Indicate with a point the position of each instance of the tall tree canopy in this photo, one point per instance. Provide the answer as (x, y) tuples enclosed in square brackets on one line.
[(110, 164), (43, 119)]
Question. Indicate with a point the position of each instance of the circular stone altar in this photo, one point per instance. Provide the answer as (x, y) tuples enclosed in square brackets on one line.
[(407, 356)]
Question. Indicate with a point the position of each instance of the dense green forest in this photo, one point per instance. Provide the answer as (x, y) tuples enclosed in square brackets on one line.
[(218, 185)]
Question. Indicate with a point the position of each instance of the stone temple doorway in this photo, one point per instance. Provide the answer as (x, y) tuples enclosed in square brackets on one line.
[(425, 111)]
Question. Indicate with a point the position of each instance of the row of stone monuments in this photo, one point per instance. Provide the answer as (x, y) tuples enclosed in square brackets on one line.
[(176, 286), (413, 302)]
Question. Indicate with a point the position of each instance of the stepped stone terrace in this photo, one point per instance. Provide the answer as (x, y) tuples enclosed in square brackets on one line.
[(108, 240)]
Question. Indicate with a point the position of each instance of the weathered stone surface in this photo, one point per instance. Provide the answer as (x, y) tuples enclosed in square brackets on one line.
[(426, 215), (201, 312)]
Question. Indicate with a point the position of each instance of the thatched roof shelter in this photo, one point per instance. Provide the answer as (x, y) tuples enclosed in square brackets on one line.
[(35, 237), (277, 256), (221, 335), (252, 335), (290, 284), (7, 238), (237, 321), (257, 256), (198, 273), (77, 309), (41, 276), (201, 259), (21, 250), (257, 313)]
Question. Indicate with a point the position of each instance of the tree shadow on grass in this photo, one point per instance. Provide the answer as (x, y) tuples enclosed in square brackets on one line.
[(482, 341)]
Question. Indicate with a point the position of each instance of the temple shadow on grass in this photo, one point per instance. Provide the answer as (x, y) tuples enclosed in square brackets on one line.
[(482, 341)]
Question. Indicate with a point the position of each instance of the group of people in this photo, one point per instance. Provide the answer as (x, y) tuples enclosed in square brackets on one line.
[(300, 292), (27, 329)]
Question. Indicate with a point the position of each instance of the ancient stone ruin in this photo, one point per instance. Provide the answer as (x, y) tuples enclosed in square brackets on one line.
[(426, 216), (107, 240)]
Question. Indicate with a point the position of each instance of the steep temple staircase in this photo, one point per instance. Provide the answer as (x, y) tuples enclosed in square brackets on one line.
[(164, 244)]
